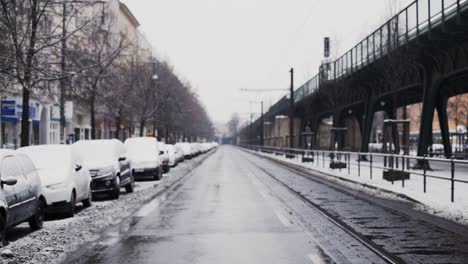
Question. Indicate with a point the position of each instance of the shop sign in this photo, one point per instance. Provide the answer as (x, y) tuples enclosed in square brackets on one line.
[(9, 108), (13, 110), (55, 113), (19, 111)]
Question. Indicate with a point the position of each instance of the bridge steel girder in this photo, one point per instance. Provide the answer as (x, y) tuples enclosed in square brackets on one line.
[(427, 70)]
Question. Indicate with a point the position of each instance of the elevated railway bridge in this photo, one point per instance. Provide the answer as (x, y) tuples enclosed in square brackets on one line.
[(418, 56)]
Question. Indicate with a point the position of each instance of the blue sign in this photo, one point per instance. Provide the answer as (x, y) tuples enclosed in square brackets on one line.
[(19, 111), (11, 111), (8, 108)]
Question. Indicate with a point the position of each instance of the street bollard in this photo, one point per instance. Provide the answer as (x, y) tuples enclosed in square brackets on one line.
[(359, 164), (323, 159), (453, 180), (424, 173), (349, 163)]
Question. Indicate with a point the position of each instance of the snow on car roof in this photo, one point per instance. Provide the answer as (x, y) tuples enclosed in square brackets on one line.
[(7, 152)]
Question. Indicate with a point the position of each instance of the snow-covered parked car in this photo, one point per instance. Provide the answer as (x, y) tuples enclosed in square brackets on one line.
[(64, 176), (179, 153), (186, 149), (164, 157), (108, 165), (171, 150), (21, 197), (143, 154)]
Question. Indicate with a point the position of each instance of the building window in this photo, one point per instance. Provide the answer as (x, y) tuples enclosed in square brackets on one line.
[(54, 133)]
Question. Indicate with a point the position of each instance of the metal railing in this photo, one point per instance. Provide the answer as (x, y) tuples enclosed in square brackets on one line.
[(369, 164), (418, 18)]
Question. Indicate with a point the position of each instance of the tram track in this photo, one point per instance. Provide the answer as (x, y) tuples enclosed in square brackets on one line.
[(403, 255)]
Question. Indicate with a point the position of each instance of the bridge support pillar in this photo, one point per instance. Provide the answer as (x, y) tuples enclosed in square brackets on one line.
[(441, 107), (395, 138), (427, 116), (431, 91), (366, 124)]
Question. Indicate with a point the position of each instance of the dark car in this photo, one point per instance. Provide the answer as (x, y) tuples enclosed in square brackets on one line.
[(108, 165), (21, 196)]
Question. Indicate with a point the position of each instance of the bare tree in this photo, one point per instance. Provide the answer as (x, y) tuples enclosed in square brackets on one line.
[(458, 110), (92, 56), (233, 124), (33, 33)]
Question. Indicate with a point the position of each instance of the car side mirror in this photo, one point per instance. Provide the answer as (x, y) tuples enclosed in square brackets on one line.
[(9, 181), (78, 167), (122, 159)]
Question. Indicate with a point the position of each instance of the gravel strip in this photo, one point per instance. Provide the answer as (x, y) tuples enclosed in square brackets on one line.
[(58, 238)]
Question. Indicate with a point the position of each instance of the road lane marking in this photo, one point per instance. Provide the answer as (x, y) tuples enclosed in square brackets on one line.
[(283, 219), (315, 259)]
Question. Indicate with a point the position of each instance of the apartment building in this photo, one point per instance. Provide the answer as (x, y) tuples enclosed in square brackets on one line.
[(45, 106)]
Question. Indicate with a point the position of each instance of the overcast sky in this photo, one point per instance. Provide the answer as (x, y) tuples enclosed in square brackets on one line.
[(221, 46)]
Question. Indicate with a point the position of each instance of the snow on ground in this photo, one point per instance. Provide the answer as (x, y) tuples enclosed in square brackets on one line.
[(436, 200), (59, 237)]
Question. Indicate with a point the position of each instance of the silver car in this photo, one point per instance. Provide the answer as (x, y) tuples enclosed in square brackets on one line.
[(21, 196)]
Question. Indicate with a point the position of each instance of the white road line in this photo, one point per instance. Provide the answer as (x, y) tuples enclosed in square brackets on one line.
[(315, 259), (283, 219), (147, 209)]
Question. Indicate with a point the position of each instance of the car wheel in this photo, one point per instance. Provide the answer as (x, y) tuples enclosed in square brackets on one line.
[(2, 231), (88, 201), (156, 174), (37, 220), (160, 174), (116, 191), (71, 207), (131, 186)]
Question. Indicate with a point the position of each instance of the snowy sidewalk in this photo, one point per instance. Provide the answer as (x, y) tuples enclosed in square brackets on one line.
[(436, 200)]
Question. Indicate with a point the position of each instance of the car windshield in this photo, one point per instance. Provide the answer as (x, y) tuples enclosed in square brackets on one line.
[(141, 148), (92, 151), (48, 157)]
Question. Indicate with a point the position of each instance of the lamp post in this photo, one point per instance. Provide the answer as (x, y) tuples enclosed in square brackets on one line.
[(262, 139), (291, 111)]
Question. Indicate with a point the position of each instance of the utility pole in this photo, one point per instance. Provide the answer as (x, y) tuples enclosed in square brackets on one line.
[(291, 111), (262, 120), (62, 79), (261, 126)]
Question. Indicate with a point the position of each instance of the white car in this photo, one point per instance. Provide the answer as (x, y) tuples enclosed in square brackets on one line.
[(172, 152), (164, 156), (186, 148), (143, 154), (64, 176)]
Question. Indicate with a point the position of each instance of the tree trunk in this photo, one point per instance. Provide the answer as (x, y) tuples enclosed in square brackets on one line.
[(118, 124), (93, 114), (25, 119), (167, 135), (142, 126)]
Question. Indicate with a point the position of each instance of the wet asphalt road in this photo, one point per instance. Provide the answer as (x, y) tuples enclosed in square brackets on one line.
[(224, 213), (229, 210)]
